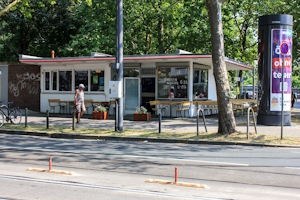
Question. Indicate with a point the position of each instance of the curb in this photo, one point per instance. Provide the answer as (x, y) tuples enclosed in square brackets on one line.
[(140, 139)]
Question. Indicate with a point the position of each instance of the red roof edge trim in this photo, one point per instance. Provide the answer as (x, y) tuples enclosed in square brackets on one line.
[(136, 58), (240, 64)]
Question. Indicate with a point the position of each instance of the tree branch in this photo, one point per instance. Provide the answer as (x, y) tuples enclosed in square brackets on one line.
[(9, 7)]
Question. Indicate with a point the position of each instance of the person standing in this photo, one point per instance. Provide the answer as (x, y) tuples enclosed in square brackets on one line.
[(171, 93), (293, 99), (79, 102)]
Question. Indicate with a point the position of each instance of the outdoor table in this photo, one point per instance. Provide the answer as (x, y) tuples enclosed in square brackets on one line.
[(170, 104)]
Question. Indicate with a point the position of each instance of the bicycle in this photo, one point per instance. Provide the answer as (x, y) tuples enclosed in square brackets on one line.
[(13, 114)]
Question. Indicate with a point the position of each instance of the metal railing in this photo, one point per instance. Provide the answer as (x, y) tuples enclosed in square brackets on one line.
[(248, 116), (198, 111)]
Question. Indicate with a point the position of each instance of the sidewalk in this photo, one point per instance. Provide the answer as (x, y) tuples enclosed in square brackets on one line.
[(187, 125)]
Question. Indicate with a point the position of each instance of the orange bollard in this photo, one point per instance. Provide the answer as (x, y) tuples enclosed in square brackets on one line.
[(176, 174), (50, 163)]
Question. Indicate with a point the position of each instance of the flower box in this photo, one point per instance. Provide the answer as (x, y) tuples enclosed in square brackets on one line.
[(100, 115), (141, 117)]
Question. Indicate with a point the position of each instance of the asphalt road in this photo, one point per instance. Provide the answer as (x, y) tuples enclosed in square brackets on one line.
[(115, 170)]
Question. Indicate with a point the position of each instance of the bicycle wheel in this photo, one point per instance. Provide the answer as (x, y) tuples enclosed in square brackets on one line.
[(15, 116), (1, 119)]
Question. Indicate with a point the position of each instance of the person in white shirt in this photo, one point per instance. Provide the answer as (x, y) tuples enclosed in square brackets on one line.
[(79, 102)]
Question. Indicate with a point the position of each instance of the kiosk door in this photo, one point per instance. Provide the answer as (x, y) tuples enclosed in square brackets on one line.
[(132, 94)]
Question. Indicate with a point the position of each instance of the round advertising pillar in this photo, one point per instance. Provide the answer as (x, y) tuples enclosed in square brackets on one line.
[(274, 30)]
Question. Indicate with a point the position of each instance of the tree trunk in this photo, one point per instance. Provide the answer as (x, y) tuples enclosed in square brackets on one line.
[(226, 117)]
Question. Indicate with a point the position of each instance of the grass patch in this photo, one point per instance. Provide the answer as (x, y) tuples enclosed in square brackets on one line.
[(235, 137)]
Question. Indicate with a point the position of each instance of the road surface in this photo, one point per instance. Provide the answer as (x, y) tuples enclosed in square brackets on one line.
[(118, 170)]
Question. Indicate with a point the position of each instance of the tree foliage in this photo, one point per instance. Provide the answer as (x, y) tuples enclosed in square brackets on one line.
[(76, 28)]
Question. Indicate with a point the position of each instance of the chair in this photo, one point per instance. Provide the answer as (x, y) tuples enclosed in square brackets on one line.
[(53, 103), (157, 106), (185, 106), (88, 103)]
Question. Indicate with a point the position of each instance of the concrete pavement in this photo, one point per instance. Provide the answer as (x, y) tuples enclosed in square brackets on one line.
[(186, 125)]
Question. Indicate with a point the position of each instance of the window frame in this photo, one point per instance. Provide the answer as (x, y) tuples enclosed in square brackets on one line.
[(72, 69), (50, 81), (89, 80), (74, 81), (197, 68)]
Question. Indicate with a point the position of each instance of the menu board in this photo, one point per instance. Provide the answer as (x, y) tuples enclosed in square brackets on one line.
[(172, 78)]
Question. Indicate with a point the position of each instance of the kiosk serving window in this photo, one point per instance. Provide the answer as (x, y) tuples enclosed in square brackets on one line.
[(65, 80), (200, 83), (97, 80), (81, 77), (172, 79)]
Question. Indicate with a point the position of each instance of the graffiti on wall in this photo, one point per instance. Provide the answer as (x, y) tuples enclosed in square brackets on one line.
[(26, 81)]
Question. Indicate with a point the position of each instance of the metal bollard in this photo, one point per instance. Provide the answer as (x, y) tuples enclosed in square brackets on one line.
[(73, 124), (197, 119), (50, 163), (26, 111), (47, 119), (176, 174), (159, 123)]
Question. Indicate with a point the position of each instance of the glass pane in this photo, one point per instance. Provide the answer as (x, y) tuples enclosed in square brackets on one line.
[(127, 72), (81, 77), (97, 80), (54, 80), (172, 82), (65, 81), (131, 72), (47, 80), (200, 82), (131, 94)]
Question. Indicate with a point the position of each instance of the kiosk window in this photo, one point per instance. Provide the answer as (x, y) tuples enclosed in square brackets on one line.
[(97, 80), (175, 79), (54, 80), (81, 77), (200, 83), (65, 80), (47, 80)]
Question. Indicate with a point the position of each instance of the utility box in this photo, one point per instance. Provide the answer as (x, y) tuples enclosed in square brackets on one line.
[(115, 89)]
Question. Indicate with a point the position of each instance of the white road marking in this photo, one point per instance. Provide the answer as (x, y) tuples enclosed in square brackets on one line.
[(187, 160), (292, 167), (133, 156), (83, 185)]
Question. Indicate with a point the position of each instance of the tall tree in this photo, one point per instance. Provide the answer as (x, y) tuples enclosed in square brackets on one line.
[(48, 27), (226, 120)]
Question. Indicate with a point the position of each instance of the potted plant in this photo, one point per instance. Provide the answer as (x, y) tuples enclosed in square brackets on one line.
[(100, 112), (141, 114)]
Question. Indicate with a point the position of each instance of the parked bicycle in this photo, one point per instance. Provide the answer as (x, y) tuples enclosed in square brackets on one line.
[(13, 114)]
